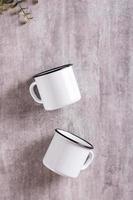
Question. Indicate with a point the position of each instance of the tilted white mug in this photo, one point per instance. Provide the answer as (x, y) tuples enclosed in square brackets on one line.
[(68, 154), (57, 87)]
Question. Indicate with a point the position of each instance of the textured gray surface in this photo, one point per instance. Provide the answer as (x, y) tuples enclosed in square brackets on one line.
[(97, 36)]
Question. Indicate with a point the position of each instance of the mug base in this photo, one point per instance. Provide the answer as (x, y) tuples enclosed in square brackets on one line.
[(57, 172), (64, 105)]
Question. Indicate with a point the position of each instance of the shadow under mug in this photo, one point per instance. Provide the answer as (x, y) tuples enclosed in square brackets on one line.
[(68, 154), (57, 87)]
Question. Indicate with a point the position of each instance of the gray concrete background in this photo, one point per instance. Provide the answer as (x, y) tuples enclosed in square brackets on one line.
[(97, 37)]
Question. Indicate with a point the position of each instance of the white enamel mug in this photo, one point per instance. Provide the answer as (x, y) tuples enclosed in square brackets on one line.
[(57, 87), (68, 154)]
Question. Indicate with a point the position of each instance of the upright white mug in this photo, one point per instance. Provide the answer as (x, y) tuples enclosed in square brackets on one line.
[(68, 154), (57, 87)]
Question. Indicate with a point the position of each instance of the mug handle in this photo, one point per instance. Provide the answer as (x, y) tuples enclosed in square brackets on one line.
[(33, 94), (88, 160)]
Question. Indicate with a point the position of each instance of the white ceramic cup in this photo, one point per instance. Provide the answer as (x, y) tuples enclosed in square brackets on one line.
[(57, 87), (68, 154)]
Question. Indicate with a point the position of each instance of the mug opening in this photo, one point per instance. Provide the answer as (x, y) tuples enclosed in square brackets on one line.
[(52, 70), (74, 138)]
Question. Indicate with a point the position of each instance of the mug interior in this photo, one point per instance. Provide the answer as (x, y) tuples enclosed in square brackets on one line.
[(52, 70), (74, 138)]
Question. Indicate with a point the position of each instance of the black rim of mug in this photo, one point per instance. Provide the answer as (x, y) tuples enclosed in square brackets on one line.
[(52, 70), (86, 146)]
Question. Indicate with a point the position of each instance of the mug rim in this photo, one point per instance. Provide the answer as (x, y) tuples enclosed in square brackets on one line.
[(52, 70), (88, 146)]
